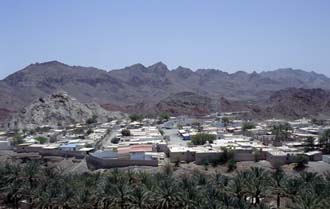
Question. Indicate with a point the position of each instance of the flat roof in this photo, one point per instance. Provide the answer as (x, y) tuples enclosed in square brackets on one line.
[(68, 145)]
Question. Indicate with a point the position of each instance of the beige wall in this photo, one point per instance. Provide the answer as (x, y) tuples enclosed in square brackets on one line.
[(98, 163)]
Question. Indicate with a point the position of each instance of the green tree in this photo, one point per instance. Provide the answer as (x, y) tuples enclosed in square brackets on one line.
[(278, 180), (17, 139), (247, 126), (282, 131), (301, 162), (225, 121), (202, 138), (136, 117), (92, 120), (231, 165), (258, 185), (164, 116), (126, 132), (309, 144), (324, 140), (41, 139)]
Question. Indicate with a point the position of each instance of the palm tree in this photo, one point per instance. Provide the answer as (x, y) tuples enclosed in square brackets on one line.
[(324, 141), (121, 192), (82, 199), (139, 198), (258, 185), (211, 198), (309, 144), (281, 131), (191, 195), (315, 183), (278, 179), (30, 176), (225, 121), (168, 194), (237, 186), (307, 200), (292, 186)]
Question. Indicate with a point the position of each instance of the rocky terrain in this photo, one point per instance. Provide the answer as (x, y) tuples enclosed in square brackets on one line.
[(59, 109), (138, 88), (295, 103)]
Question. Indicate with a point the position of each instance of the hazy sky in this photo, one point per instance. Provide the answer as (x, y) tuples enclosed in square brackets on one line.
[(228, 35)]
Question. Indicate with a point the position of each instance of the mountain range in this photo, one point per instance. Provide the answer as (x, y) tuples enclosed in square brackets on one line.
[(155, 88)]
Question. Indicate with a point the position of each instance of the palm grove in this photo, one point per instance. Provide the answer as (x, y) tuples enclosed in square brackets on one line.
[(43, 187)]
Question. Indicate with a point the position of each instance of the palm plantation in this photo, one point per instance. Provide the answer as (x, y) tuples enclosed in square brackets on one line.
[(42, 187)]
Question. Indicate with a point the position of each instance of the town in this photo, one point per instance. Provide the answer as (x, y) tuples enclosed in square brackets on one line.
[(219, 139)]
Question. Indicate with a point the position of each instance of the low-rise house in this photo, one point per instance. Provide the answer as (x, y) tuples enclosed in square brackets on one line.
[(314, 155), (326, 158), (5, 143)]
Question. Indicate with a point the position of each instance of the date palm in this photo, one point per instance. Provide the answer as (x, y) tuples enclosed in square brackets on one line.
[(307, 200), (237, 186), (211, 198), (120, 194), (168, 194), (191, 196), (278, 179), (258, 184), (139, 198)]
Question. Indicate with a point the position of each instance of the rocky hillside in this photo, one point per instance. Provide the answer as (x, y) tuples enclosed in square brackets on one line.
[(292, 103), (59, 109), (138, 87), (297, 103)]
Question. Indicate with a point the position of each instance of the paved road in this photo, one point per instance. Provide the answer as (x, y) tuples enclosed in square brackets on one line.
[(174, 138), (107, 140)]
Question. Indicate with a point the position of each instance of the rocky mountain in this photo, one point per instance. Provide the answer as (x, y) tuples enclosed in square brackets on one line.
[(59, 109), (138, 88), (297, 103)]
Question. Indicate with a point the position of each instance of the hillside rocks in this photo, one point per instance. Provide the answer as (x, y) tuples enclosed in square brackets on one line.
[(297, 103), (59, 109)]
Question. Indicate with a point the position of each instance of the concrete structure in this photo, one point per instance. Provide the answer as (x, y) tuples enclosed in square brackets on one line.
[(5, 144), (99, 163), (326, 158), (314, 155)]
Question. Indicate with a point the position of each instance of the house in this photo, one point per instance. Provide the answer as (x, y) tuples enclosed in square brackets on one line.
[(5, 143), (69, 147), (326, 158), (314, 155)]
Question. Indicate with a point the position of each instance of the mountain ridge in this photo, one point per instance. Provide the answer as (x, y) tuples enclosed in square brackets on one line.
[(139, 84)]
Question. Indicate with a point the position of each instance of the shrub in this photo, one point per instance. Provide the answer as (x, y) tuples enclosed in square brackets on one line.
[(202, 138), (301, 162), (41, 139), (177, 162), (18, 139), (231, 165), (115, 140), (89, 131), (92, 120), (161, 132), (227, 155), (136, 117), (89, 146), (126, 132), (247, 126), (164, 116)]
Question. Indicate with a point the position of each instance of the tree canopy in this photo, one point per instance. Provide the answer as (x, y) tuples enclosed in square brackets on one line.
[(202, 138), (281, 131), (254, 188), (136, 117), (126, 132)]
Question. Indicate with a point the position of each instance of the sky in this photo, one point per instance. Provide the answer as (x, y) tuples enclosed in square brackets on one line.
[(232, 35)]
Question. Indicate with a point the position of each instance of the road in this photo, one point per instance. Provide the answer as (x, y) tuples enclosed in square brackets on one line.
[(107, 140), (175, 139)]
